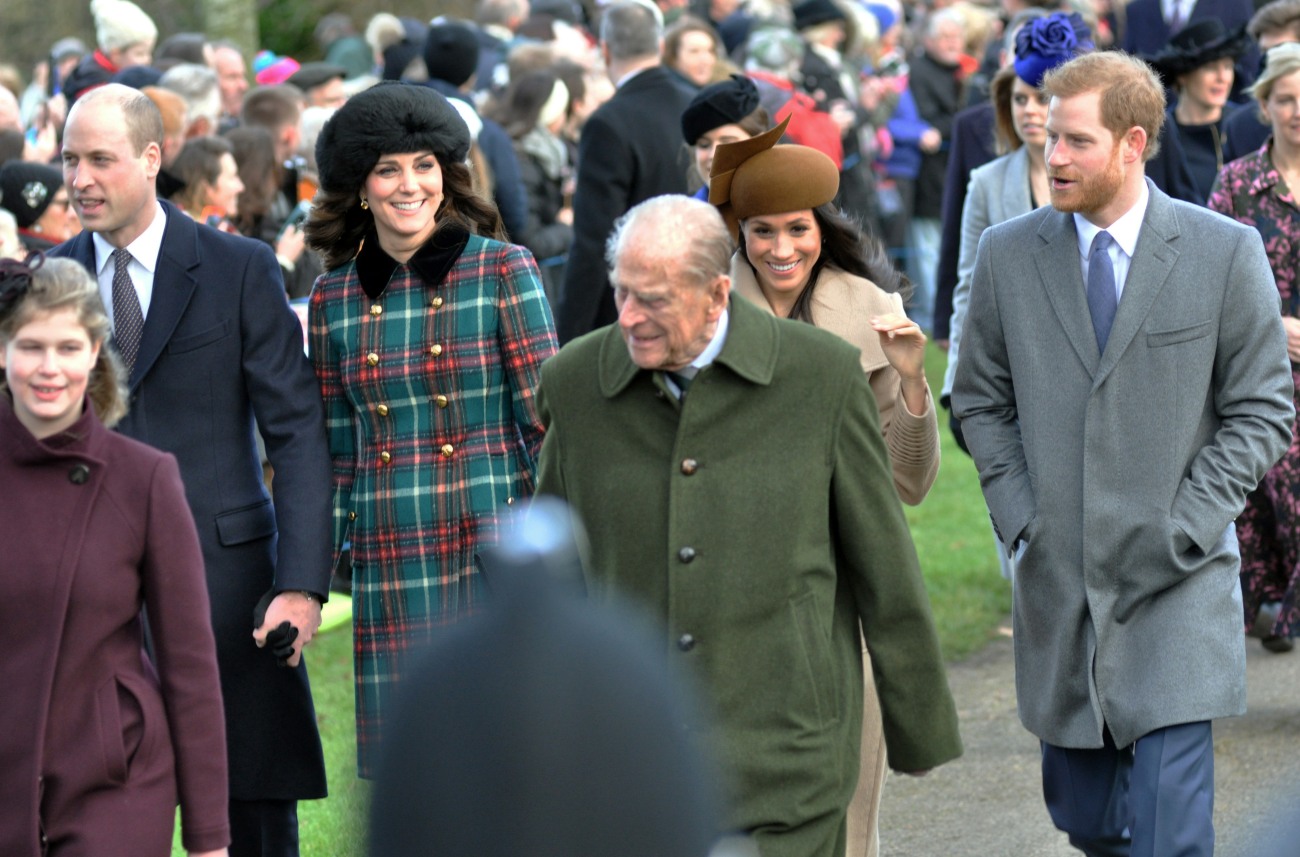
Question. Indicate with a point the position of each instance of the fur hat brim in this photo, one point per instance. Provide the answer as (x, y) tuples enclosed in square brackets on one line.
[(389, 118)]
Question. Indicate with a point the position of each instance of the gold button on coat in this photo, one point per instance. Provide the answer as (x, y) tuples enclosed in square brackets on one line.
[(382, 410), (441, 400), (385, 457), (689, 466), (437, 301), (448, 450), (376, 309), (435, 349), (372, 358), (352, 516)]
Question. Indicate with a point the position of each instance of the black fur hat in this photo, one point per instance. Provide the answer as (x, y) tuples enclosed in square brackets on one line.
[(718, 104), (389, 118)]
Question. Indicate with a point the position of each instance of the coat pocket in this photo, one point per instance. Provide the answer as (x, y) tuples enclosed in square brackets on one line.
[(247, 524), (200, 339), (111, 740), (1156, 339), (814, 645), (493, 482)]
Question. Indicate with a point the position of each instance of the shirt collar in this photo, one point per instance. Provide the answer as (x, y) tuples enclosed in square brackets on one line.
[(1123, 231), (145, 249)]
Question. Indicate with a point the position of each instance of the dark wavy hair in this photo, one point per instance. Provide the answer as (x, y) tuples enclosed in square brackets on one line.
[(60, 284), (338, 224), (845, 247)]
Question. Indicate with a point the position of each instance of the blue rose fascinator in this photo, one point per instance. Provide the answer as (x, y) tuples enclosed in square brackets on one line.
[(1045, 43)]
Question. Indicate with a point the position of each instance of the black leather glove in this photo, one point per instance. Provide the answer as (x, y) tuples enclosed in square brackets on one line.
[(280, 639)]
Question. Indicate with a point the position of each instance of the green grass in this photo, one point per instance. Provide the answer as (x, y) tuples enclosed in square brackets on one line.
[(953, 540)]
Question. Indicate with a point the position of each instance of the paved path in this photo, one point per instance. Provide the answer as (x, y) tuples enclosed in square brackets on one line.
[(989, 804)]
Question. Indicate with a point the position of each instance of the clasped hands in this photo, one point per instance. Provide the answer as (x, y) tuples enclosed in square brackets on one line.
[(286, 622)]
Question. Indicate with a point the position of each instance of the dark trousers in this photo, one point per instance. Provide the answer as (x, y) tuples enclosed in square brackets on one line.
[(264, 828), (1153, 799)]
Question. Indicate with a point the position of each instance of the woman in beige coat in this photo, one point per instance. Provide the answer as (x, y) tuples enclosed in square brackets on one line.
[(800, 258)]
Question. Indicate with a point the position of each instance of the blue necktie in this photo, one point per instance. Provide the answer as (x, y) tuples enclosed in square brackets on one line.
[(1101, 288)]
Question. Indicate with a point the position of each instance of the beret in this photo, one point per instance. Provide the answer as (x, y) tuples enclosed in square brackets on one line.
[(451, 52), (718, 104), (26, 189), (755, 177), (313, 74), (809, 13), (389, 118)]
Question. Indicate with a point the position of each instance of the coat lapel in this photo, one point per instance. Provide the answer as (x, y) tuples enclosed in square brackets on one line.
[(1061, 271), (1153, 260), (1015, 187), (174, 281)]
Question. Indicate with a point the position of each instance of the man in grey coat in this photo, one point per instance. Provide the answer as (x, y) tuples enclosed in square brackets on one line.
[(1123, 384)]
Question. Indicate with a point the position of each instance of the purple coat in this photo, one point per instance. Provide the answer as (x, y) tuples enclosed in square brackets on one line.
[(96, 745)]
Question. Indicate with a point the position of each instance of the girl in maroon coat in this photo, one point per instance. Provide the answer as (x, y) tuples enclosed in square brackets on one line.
[(97, 745)]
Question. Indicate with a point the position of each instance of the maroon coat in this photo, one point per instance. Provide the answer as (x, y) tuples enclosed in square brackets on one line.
[(96, 746)]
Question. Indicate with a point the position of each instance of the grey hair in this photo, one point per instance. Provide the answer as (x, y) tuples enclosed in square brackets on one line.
[(947, 15), (689, 231), (198, 85), (631, 29)]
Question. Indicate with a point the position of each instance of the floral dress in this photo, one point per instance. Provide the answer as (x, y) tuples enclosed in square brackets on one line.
[(1253, 192)]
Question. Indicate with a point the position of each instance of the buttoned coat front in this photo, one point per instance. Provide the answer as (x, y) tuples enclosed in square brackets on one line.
[(757, 521), (428, 391), (96, 745), (221, 358), (1123, 471)]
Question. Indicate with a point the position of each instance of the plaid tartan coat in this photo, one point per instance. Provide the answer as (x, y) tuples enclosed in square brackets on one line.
[(427, 370)]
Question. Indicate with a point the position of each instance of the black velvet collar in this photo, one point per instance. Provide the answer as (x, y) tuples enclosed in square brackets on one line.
[(433, 261)]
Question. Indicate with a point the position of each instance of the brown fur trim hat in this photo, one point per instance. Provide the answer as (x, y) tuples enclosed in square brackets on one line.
[(755, 177), (389, 118)]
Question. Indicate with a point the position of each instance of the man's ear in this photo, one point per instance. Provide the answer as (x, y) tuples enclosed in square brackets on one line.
[(1136, 138)]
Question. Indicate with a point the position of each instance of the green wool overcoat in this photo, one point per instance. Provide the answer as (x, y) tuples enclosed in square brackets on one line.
[(758, 522)]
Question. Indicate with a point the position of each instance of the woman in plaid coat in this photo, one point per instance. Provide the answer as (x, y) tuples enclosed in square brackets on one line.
[(427, 335)]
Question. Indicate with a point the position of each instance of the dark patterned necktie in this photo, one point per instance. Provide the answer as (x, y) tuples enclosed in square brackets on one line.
[(128, 321), (1101, 288)]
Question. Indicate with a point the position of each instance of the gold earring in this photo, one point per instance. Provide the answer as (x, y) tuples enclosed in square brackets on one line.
[(365, 206)]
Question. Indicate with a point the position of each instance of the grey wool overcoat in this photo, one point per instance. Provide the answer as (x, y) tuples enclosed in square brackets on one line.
[(758, 522), (1122, 472)]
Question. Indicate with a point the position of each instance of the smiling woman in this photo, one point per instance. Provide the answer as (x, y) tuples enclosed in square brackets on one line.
[(427, 335)]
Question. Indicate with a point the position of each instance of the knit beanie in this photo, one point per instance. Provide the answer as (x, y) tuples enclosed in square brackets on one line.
[(27, 188), (121, 23), (451, 52)]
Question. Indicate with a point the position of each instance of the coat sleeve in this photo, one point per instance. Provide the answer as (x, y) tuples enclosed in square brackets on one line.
[(339, 419), (974, 220), (176, 598), (875, 551), (603, 194), (287, 403), (984, 399), (1253, 397), (527, 338), (550, 475)]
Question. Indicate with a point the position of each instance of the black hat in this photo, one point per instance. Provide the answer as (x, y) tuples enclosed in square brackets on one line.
[(1195, 45), (812, 12), (390, 117), (138, 76), (718, 104), (27, 188), (313, 74), (451, 52), (400, 54)]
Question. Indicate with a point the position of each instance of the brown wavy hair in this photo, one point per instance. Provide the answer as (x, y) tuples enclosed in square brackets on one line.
[(60, 284), (338, 224)]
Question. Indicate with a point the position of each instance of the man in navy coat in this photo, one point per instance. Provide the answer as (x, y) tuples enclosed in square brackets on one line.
[(631, 150), (220, 350)]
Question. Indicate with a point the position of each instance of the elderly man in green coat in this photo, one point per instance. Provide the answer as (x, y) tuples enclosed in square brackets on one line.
[(731, 474)]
